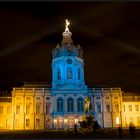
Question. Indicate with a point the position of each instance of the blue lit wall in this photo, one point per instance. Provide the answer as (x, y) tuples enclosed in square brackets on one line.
[(67, 65), (67, 70)]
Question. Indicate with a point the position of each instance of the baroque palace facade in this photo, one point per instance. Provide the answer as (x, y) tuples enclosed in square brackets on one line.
[(39, 106)]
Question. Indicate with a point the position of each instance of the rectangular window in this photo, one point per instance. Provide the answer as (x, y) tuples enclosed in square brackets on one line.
[(70, 106), (17, 109), (8, 109), (130, 107), (107, 97), (80, 105), (7, 123), (47, 98), (37, 108), (28, 98), (1, 109), (17, 123), (131, 119), (124, 108), (27, 122), (37, 98), (117, 120), (116, 108), (48, 108), (37, 122), (108, 108), (27, 109), (98, 97), (138, 120), (136, 107), (99, 108), (116, 97)]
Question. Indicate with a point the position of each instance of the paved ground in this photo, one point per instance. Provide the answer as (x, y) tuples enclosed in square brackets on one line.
[(60, 134)]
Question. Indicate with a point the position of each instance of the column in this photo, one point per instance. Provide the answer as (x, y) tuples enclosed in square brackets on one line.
[(75, 105)]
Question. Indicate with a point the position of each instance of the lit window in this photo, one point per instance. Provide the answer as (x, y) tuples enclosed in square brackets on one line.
[(108, 108), (59, 105), (136, 107), (37, 122), (80, 104), (58, 74), (1, 109), (27, 122), (17, 109), (8, 109), (70, 105), (130, 107), (124, 108), (69, 73), (117, 120), (38, 105)]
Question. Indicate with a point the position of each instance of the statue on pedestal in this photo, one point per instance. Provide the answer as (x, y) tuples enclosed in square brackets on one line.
[(87, 105)]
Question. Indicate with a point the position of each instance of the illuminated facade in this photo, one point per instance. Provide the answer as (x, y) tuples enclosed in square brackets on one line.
[(38, 106)]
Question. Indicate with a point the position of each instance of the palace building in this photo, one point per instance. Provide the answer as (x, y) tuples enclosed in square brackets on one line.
[(60, 105)]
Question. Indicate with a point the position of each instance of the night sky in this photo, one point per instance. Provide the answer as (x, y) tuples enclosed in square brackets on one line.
[(109, 34)]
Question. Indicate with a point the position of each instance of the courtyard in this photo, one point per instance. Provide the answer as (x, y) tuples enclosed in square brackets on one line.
[(70, 134)]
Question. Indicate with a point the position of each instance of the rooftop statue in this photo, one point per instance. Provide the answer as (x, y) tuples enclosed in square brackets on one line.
[(67, 24)]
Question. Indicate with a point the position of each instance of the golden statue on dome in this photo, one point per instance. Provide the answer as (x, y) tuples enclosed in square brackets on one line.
[(67, 24)]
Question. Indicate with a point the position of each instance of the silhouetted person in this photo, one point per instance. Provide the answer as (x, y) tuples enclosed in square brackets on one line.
[(132, 130), (96, 126), (120, 131), (75, 129)]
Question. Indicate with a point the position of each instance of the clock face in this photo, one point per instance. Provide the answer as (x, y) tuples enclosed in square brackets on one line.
[(69, 61)]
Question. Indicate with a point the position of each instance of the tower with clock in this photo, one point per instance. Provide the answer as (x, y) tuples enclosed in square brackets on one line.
[(67, 64)]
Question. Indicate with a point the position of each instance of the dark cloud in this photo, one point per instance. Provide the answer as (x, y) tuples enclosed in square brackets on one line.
[(107, 32)]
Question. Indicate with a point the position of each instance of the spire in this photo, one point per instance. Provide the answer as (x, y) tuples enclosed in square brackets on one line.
[(67, 34)]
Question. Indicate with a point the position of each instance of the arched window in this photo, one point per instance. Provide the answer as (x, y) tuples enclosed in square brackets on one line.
[(70, 105), (79, 74), (80, 104), (69, 73), (58, 74), (59, 104)]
